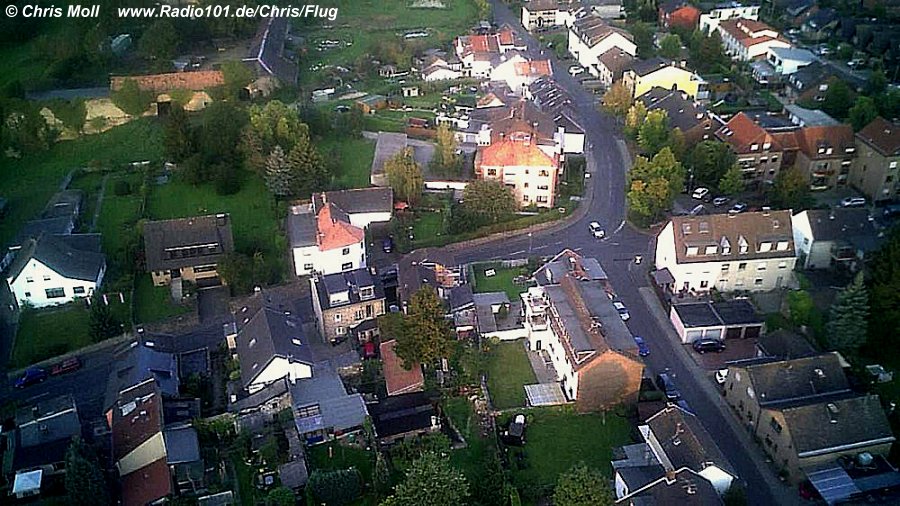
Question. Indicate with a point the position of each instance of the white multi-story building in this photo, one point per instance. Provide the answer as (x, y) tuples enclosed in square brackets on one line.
[(519, 72), (591, 36), (522, 167), (709, 22), (56, 269), (324, 241), (745, 39), (748, 251)]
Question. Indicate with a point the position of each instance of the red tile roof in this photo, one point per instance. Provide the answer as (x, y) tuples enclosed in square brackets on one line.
[(334, 231), (135, 418), (515, 154), (882, 135), (147, 484), (533, 68), (749, 32), (158, 83), (741, 132), (398, 379), (812, 138)]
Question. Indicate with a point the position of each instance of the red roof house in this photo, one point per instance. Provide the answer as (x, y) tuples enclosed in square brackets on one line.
[(399, 380)]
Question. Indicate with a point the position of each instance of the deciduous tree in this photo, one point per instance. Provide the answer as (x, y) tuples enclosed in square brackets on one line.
[(863, 112), (635, 118), (617, 100), (791, 190), (335, 487), (423, 335), (838, 99), (708, 161), (159, 41), (884, 294), (582, 486), (654, 133), (277, 124), (85, 485), (433, 481), (653, 184), (131, 99), (446, 159), (237, 76), (732, 182), (405, 176), (849, 317), (670, 46), (487, 202)]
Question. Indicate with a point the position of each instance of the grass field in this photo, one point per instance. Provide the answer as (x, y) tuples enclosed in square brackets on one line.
[(508, 372), (154, 303), (354, 160), (468, 459), (341, 457), (500, 282)]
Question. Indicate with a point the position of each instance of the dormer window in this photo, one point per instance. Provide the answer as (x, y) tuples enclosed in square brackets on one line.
[(366, 292), (726, 246), (767, 145), (828, 151), (686, 228), (821, 150), (782, 246), (743, 246), (754, 147), (711, 250), (703, 227), (765, 247), (692, 251)]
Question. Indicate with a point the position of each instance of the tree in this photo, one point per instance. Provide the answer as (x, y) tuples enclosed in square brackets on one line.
[(670, 46), (381, 475), (849, 317), (484, 9), (432, 481), (732, 182), (281, 496), (446, 159), (492, 487), (177, 136), (131, 99), (709, 55), (237, 76), (236, 270), (877, 82), (310, 172), (634, 119), (838, 99), (653, 184), (582, 486), (487, 202), (708, 162), (159, 41), (643, 39), (791, 190), (617, 100), (85, 485), (884, 293), (103, 324), (862, 113), (335, 487), (277, 125), (280, 180), (405, 176), (654, 133), (423, 335)]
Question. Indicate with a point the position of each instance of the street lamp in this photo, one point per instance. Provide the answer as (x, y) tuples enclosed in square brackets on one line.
[(530, 241)]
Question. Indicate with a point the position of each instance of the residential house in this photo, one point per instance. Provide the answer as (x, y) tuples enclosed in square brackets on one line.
[(825, 155), (272, 345), (634, 466), (479, 54), (839, 237), (523, 167), (820, 25), (732, 319), (709, 21), (439, 72), (55, 269), (346, 304), (874, 171), (694, 121), (538, 14), (518, 72), (404, 416), (678, 440), (780, 62), (389, 144), (187, 249), (591, 36), (323, 410), (810, 82), (268, 54), (570, 319), (683, 487), (678, 14), (759, 153), (746, 40), (36, 449), (805, 414), (429, 267), (644, 75), (363, 206), (138, 363), (751, 251), (612, 64), (803, 117), (552, 130), (607, 9), (496, 317), (323, 238), (397, 378), (58, 218)]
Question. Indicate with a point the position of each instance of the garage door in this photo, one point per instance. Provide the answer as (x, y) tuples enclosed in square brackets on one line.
[(752, 332), (733, 333)]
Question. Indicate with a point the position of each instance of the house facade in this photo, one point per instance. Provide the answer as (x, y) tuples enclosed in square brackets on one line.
[(751, 251), (56, 269), (346, 305), (825, 155), (187, 249), (519, 72), (644, 75), (611, 65), (271, 345), (838, 237), (324, 240), (591, 36), (479, 54), (746, 40), (759, 153), (363, 206), (539, 14), (521, 166), (709, 21), (875, 172)]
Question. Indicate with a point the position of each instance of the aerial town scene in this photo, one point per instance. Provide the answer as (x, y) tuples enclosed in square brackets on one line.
[(450, 252)]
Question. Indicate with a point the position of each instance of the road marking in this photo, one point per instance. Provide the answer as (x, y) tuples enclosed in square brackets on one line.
[(517, 252), (620, 227)]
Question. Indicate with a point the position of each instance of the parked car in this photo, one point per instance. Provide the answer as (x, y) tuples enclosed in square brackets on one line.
[(853, 202), (664, 382), (387, 244), (738, 208), (31, 376), (892, 210), (681, 403), (596, 230), (643, 349), (720, 201), (515, 433), (721, 376), (698, 210), (707, 344), (623, 311), (700, 193), (68, 365), (575, 70)]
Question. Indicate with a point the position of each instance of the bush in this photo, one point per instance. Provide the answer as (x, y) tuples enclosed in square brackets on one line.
[(335, 488), (122, 188)]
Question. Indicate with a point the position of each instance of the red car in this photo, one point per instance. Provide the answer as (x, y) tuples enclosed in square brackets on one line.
[(67, 365)]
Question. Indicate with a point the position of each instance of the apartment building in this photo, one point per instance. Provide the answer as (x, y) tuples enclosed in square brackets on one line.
[(746, 40), (874, 171), (523, 167)]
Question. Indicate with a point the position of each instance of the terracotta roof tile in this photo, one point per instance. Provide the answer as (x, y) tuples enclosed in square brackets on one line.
[(741, 132), (158, 83), (882, 135), (811, 139), (398, 379), (147, 484), (335, 230), (533, 68), (515, 154)]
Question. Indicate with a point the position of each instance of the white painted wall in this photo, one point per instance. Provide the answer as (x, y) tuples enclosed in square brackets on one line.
[(310, 259), (43, 278), (278, 368), (363, 220), (587, 56), (543, 338), (709, 22)]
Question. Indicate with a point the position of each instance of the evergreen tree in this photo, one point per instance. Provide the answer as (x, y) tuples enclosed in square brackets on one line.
[(85, 485), (732, 182), (103, 323), (863, 112), (280, 179), (884, 293), (492, 487), (670, 46), (177, 137), (848, 322), (582, 486), (381, 476), (311, 174)]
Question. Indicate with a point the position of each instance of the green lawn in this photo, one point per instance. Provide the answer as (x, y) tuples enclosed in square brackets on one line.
[(500, 282), (508, 372), (558, 438), (467, 459), (354, 160), (342, 457), (118, 220), (427, 224), (37, 176), (154, 303)]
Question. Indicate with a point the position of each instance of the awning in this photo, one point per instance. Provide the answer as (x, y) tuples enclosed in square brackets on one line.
[(833, 484)]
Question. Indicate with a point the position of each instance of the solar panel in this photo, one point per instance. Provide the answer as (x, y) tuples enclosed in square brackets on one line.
[(545, 394), (833, 484)]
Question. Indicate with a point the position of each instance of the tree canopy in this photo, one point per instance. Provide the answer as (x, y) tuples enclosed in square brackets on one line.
[(405, 176), (423, 335), (670, 46), (708, 161), (617, 100), (85, 485), (848, 320), (582, 486), (884, 294), (732, 182), (433, 481), (863, 112), (653, 184), (838, 99), (486, 201), (791, 190)]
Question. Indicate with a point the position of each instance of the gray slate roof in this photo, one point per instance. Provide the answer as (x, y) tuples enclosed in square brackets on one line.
[(165, 240), (50, 226), (843, 224), (338, 410), (182, 445), (682, 113), (350, 281), (301, 227), (850, 421), (268, 334), (75, 256), (360, 200), (789, 381), (685, 442)]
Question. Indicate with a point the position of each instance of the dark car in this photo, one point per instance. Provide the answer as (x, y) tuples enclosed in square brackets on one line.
[(892, 210), (706, 345), (515, 433), (32, 375), (387, 244), (68, 365), (665, 383), (643, 349)]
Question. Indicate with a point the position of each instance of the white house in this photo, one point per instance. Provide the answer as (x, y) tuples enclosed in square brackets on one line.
[(519, 72), (479, 54), (324, 240), (272, 345), (542, 14), (745, 39), (440, 73), (787, 60), (709, 22), (363, 206), (56, 269), (746, 251), (827, 238), (591, 36)]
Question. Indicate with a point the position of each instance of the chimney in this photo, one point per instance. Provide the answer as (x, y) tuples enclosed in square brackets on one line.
[(670, 477), (324, 198)]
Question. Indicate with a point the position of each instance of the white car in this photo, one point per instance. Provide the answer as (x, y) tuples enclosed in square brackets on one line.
[(700, 193), (575, 70), (853, 202), (623, 311), (596, 230), (721, 376)]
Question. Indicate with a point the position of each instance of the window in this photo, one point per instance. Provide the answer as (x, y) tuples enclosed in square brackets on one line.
[(46, 277), (742, 266), (525, 185), (366, 292), (307, 267), (204, 268), (55, 293), (765, 247), (758, 282), (308, 411), (27, 295), (78, 290), (29, 279), (711, 250), (347, 266), (739, 282), (340, 331), (782, 246), (761, 266), (544, 173), (337, 317), (754, 147), (782, 265), (359, 314), (543, 187), (774, 159), (345, 251), (725, 267), (704, 284), (542, 198), (692, 250), (492, 172), (892, 165), (526, 198)]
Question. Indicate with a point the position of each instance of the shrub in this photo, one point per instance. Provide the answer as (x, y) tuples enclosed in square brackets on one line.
[(122, 188)]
